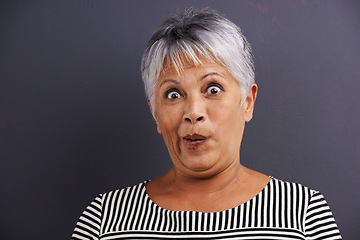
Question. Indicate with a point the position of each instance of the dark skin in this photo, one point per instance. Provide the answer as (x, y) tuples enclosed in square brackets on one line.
[(201, 115), (206, 195)]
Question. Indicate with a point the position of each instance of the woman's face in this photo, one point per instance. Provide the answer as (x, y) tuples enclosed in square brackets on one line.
[(200, 116)]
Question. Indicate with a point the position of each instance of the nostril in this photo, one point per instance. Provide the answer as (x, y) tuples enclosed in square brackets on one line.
[(193, 120)]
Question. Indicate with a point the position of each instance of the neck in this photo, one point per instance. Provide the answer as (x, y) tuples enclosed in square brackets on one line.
[(185, 192), (185, 184)]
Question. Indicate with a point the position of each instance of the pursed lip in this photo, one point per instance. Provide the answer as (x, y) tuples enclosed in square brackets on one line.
[(194, 141)]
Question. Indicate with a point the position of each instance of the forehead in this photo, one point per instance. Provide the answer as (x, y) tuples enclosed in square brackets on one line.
[(191, 71), (183, 62)]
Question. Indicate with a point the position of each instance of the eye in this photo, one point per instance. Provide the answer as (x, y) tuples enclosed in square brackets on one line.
[(214, 89), (173, 94)]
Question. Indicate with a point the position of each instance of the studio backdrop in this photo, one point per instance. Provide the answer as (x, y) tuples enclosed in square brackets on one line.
[(74, 121)]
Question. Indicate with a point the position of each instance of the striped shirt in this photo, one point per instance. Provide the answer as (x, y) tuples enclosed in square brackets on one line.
[(282, 210)]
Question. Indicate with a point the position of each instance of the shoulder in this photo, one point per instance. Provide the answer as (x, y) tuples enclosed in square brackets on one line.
[(300, 197), (292, 188), (103, 199), (122, 195), (315, 214), (105, 210), (292, 196)]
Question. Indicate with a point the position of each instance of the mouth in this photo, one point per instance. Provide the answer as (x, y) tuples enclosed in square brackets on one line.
[(194, 141)]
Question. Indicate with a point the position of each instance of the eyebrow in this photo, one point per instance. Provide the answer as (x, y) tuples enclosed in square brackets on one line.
[(169, 80), (203, 77), (210, 74)]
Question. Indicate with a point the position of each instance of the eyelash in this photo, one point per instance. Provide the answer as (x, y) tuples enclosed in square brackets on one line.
[(170, 91), (176, 91), (214, 84)]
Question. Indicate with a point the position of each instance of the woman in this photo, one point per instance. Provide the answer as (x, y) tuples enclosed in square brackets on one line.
[(198, 73)]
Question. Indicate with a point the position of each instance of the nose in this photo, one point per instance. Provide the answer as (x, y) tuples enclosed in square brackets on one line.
[(194, 119), (194, 111)]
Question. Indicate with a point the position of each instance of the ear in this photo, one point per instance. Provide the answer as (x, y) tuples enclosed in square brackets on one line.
[(250, 102), (155, 117)]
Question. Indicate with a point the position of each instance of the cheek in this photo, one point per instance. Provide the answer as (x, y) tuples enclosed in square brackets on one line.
[(228, 118), (168, 121), (226, 110), (169, 124)]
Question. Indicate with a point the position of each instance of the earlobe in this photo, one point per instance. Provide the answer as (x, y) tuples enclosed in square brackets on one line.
[(157, 124), (250, 102), (148, 101), (158, 127), (155, 117)]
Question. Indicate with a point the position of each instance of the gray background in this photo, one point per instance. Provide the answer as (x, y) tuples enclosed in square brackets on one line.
[(74, 121)]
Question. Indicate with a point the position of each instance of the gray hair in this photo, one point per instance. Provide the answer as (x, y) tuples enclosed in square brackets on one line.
[(193, 34)]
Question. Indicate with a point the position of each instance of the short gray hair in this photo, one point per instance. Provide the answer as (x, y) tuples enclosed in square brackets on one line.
[(193, 34)]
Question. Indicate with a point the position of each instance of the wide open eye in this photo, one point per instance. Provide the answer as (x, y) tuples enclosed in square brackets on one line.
[(173, 94), (213, 90)]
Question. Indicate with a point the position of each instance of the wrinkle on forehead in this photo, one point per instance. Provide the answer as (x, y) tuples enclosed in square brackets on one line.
[(184, 62)]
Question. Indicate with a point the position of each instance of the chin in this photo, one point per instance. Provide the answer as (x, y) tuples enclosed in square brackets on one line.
[(201, 169), (203, 174)]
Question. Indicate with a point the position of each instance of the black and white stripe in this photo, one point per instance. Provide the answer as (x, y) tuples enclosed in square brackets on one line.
[(281, 210)]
